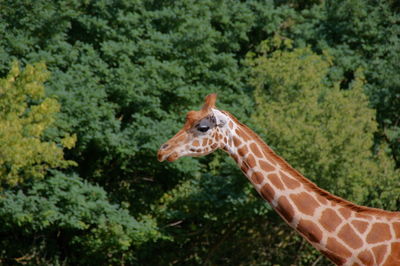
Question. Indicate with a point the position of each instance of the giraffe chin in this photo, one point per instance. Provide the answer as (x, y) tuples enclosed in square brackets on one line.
[(172, 157), (167, 155)]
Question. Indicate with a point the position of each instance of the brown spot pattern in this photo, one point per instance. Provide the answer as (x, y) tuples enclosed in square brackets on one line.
[(379, 253), (362, 216), (309, 189), (366, 257), (244, 167), (267, 154), (196, 143), (378, 233), (396, 227), (322, 200), (267, 192), (310, 230), (255, 150), (305, 203), (275, 181), (251, 161), (394, 257), (285, 209), (244, 135), (257, 177), (243, 151), (266, 166), (230, 125), (350, 237), (361, 226), (289, 182), (235, 157), (345, 212), (336, 248), (334, 258), (236, 141), (204, 142), (181, 137), (330, 220)]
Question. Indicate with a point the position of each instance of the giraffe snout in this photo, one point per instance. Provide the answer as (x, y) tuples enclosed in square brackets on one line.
[(164, 153), (161, 152), (167, 155), (160, 156)]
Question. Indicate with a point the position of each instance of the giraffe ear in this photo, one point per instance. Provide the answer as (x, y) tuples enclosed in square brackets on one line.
[(209, 102), (220, 118)]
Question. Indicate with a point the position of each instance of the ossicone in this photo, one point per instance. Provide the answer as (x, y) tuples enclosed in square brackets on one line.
[(209, 102)]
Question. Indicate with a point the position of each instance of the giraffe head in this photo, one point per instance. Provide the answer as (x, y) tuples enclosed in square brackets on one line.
[(201, 134)]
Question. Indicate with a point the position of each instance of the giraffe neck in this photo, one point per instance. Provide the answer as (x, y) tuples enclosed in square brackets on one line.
[(346, 233)]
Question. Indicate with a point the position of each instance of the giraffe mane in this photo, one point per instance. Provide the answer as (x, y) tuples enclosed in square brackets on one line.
[(286, 166)]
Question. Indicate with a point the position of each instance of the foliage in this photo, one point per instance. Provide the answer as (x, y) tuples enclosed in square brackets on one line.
[(68, 220), (125, 78), (25, 113), (214, 219), (366, 34), (210, 210), (315, 125)]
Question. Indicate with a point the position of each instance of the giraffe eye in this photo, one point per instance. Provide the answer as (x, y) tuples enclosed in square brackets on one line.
[(203, 128)]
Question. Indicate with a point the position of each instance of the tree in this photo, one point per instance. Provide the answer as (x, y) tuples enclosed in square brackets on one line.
[(65, 220), (359, 33), (325, 132), (25, 113)]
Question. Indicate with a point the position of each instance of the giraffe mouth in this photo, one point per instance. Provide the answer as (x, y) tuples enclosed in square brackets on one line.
[(170, 157)]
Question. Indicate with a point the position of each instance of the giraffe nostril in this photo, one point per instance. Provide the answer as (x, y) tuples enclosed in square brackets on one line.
[(164, 146)]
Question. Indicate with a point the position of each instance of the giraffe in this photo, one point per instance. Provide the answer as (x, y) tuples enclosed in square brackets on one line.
[(346, 233)]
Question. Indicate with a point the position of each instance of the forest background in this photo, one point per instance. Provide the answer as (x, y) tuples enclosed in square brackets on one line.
[(90, 89)]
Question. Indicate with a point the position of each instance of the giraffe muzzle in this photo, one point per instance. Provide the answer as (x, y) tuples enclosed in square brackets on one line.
[(164, 154), (160, 156)]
